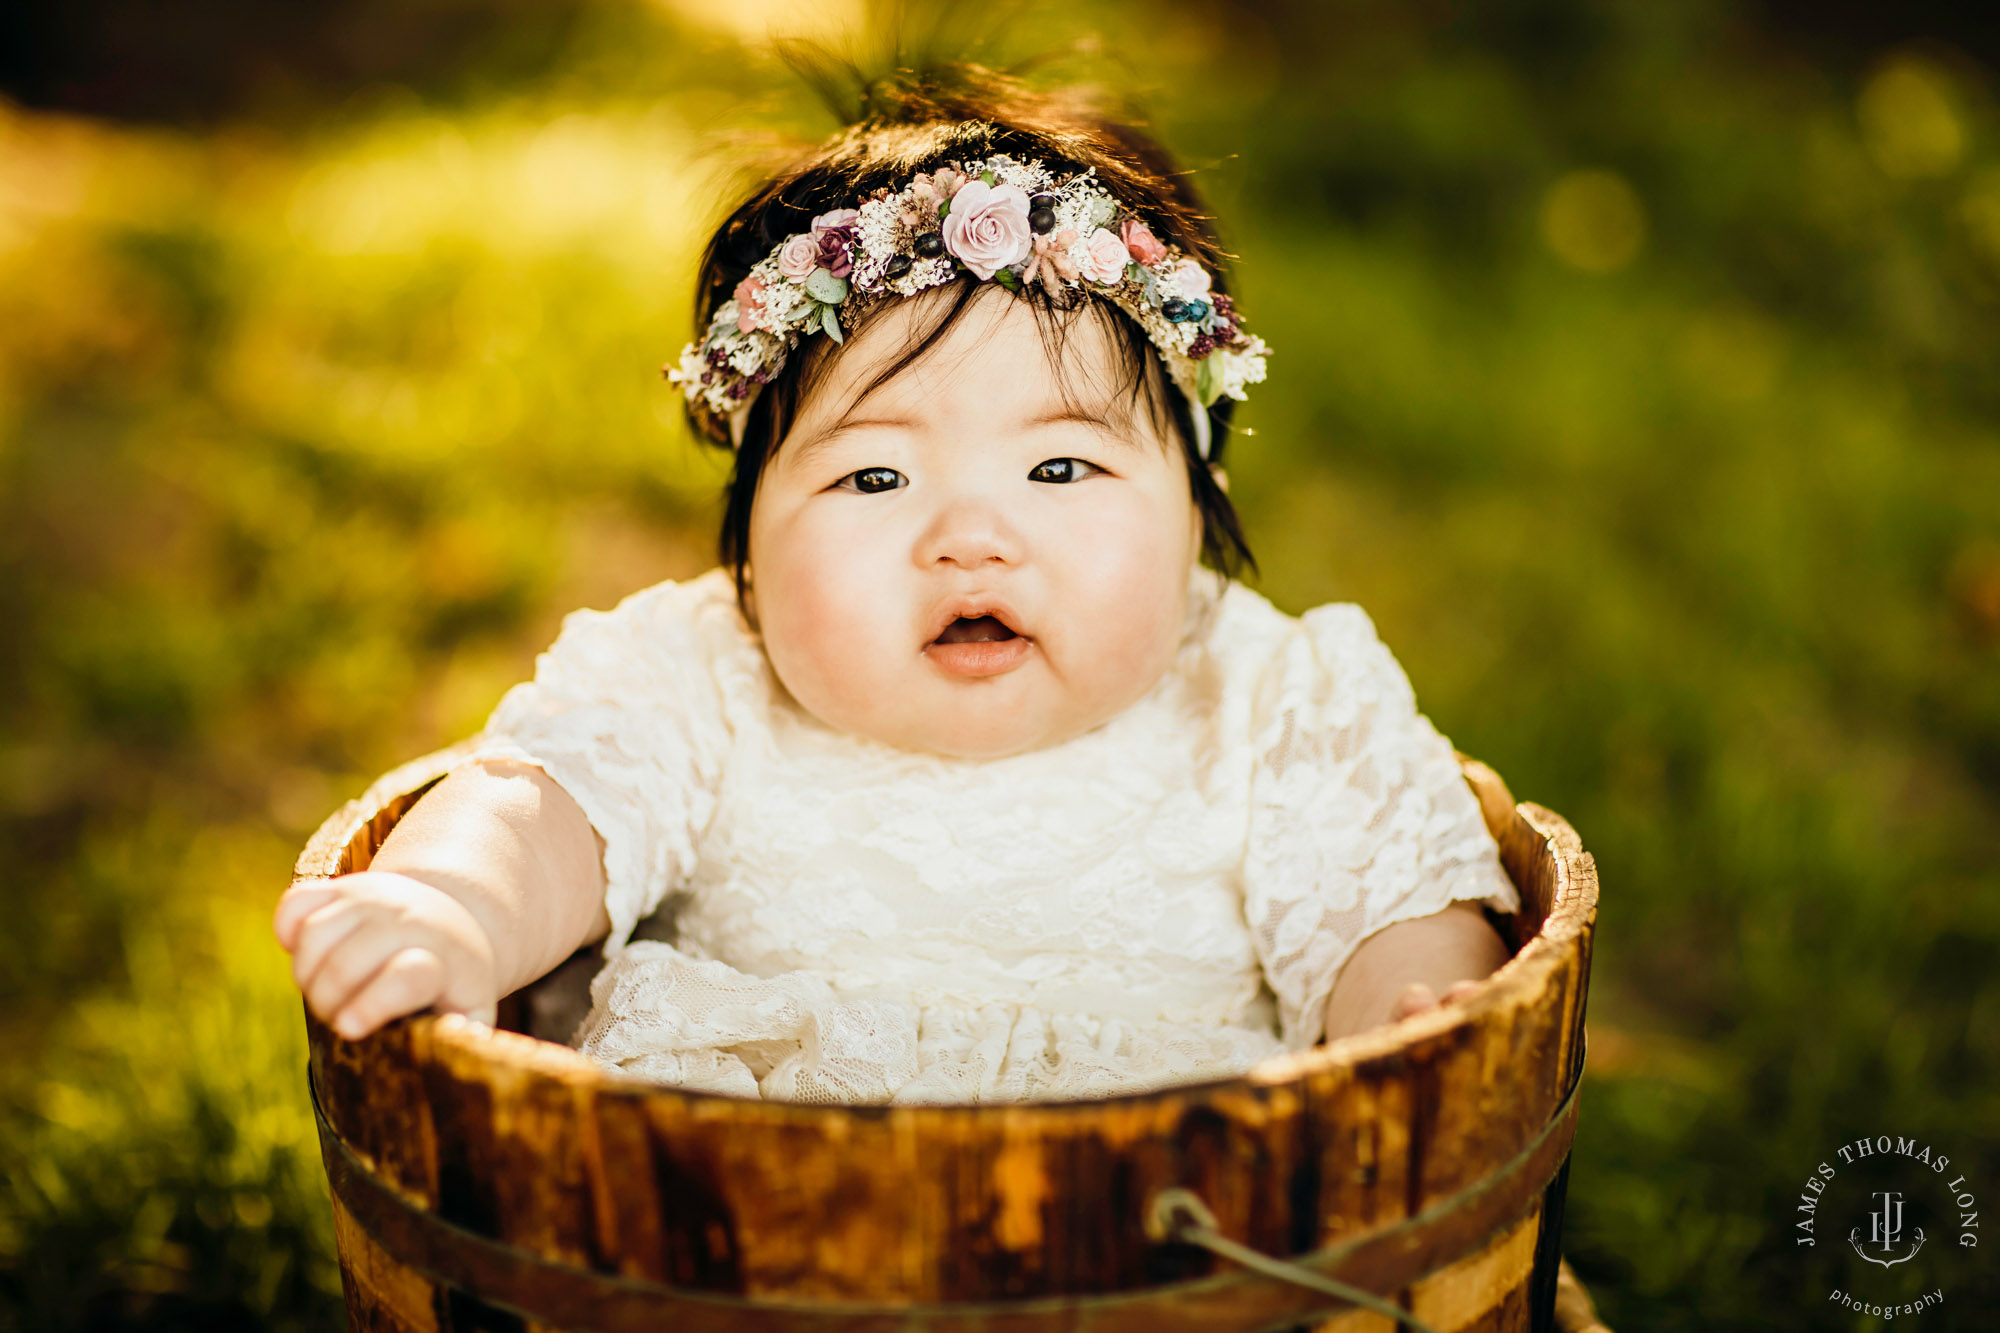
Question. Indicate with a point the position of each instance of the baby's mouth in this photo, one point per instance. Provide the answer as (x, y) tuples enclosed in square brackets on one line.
[(974, 629), (974, 647)]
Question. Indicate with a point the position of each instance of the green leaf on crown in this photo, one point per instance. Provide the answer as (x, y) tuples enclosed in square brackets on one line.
[(829, 319), (1205, 386), (1007, 278), (821, 285)]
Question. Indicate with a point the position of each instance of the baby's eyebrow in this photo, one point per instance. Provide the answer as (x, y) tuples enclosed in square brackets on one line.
[(1112, 423), (819, 439), (1106, 419)]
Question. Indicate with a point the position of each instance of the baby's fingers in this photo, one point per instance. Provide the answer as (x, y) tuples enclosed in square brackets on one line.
[(325, 930), (1415, 999), (296, 904), (350, 964), (412, 979)]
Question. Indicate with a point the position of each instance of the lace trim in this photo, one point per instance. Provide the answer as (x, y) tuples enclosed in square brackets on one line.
[(660, 1014)]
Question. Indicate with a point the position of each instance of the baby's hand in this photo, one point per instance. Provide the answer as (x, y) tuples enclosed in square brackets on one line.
[(1417, 998), (373, 946)]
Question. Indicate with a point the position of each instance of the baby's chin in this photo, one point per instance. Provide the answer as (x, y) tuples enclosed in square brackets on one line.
[(970, 723), (975, 732), (988, 741)]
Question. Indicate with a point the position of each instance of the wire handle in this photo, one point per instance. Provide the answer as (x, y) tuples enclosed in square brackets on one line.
[(1177, 1214)]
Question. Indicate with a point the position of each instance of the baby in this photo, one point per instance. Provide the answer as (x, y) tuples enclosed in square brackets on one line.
[(963, 777)]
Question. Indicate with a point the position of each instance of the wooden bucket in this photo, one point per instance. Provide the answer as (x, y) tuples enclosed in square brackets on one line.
[(483, 1179)]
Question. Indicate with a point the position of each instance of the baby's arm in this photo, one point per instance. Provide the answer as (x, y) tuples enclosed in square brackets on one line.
[(490, 880), (1405, 967)]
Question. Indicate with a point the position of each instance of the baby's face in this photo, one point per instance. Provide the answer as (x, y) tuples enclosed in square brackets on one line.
[(961, 564)]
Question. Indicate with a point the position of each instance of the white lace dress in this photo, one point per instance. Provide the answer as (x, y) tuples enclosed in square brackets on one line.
[(1164, 899)]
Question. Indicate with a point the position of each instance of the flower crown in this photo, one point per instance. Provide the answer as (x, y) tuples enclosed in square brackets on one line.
[(1002, 221)]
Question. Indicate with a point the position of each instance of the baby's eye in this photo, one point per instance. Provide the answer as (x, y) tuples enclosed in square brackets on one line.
[(1059, 470), (870, 480)]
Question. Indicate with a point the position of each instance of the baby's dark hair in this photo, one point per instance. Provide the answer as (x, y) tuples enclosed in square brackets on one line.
[(917, 122)]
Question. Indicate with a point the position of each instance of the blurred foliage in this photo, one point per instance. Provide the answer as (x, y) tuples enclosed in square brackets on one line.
[(1634, 370), (167, 1178)]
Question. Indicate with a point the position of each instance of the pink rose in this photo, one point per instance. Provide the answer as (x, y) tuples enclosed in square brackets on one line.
[(1104, 257), (1190, 280), (749, 303), (799, 256), (987, 227), (1140, 242)]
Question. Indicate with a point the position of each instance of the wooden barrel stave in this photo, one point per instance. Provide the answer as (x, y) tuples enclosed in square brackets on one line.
[(529, 1143)]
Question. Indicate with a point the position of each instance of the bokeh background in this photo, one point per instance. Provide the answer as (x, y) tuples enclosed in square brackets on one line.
[(1636, 370)]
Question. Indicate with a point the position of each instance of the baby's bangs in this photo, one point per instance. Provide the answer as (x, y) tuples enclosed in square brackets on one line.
[(1136, 373)]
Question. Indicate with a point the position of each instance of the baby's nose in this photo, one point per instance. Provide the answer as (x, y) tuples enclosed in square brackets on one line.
[(971, 533)]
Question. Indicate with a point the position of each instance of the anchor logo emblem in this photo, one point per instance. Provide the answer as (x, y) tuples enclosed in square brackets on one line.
[(1885, 1231)]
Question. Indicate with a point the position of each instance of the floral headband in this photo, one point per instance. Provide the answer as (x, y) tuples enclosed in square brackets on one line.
[(1002, 221)]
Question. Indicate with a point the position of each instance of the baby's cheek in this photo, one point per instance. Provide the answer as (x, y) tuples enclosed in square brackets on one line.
[(1130, 608), (826, 628), (1134, 645)]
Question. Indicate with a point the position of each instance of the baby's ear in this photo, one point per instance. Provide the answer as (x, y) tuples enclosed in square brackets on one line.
[(1221, 475)]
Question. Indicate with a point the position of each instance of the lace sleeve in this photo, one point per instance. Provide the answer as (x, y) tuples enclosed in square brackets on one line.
[(1360, 816), (624, 713)]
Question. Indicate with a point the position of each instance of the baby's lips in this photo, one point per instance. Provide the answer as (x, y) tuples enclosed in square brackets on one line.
[(980, 657), (972, 608)]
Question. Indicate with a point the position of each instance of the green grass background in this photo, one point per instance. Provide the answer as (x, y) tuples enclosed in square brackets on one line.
[(1636, 369)]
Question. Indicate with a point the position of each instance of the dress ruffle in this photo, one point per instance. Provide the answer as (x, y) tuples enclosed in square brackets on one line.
[(658, 1013)]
